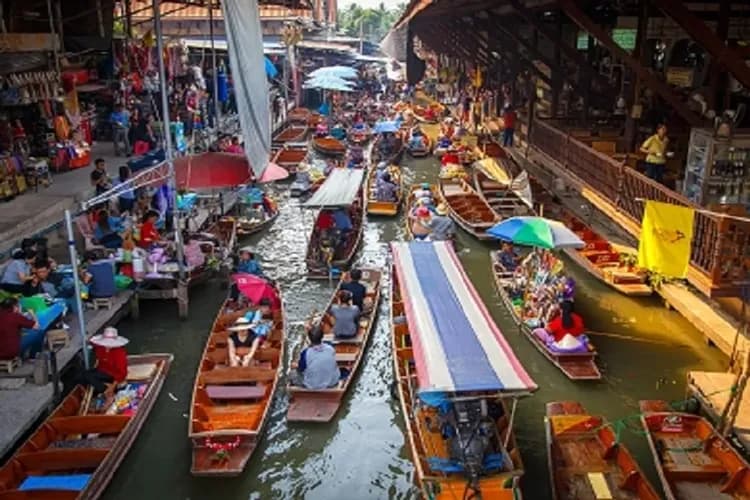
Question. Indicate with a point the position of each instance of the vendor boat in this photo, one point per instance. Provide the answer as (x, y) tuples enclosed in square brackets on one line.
[(391, 157), (307, 405), (231, 405), (575, 365), (359, 135), (291, 133), (299, 115), (422, 151), (504, 201), (469, 210), (290, 156), (77, 450), (387, 208), (425, 115), (587, 461), (328, 146), (459, 422), (694, 461), (342, 190), (255, 219)]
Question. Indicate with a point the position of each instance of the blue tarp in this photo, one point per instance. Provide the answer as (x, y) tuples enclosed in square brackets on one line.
[(271, 70)]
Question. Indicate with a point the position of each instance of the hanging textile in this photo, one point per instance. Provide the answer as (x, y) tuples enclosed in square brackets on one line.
[(246, 60)]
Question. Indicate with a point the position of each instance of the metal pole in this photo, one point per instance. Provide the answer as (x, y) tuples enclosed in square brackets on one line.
[(77, 287), (168, 137), (213, 62), (56, 46)]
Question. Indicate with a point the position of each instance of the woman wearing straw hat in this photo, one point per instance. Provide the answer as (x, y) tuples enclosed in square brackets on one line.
[(111, 356), (243, 342), (441, 225)]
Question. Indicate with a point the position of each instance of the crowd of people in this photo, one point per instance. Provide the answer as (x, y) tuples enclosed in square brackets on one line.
[(427, 220)]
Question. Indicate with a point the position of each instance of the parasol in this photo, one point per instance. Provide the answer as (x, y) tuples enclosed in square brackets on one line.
[(325, 82), (536, 232), (273, 172), (335, 71), (384, 127), (256, 289)]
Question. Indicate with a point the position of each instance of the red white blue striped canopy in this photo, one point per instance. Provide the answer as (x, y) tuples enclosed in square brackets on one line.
[(457, 346)]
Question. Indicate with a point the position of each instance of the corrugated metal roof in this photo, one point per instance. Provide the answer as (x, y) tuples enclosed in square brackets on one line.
[(174, 10)]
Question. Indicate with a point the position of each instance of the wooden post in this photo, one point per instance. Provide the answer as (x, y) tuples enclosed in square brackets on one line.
[(718, 83), (558, 74), (183, 300), (587, 83), (631, 124), (60, 30), (729, 415)]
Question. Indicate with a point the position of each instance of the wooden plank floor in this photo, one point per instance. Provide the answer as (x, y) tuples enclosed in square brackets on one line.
[(712, 389)]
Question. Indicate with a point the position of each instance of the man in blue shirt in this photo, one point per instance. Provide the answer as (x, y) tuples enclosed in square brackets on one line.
[(357, 289), (317, 368), (120, 127)]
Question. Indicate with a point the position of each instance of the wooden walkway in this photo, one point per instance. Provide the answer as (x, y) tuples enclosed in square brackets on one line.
[(712, 389)]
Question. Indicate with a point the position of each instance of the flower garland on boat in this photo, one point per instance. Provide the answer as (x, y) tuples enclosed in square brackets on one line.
[(221, 449)]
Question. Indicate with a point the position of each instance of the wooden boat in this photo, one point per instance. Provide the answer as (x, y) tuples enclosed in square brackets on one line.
[(388, 208), (693, 460), (575, 366), (77, 450), (328, 146), (493, 149), (470, 211), (585, 460), (291, 133), (289, 157), (342, 259), (410, 204), (299, 115), (256, 220), (428, 445), (421, 152), (392, 159), (230, 405), (503, 201), (306, 405)]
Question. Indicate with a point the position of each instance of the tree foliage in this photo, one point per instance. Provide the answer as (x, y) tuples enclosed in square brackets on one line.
[(374, 23)]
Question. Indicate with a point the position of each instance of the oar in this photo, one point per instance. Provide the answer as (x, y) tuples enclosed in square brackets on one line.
[(628, 337)]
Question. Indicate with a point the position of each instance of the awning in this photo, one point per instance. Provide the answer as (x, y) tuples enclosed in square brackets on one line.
[(340, 189), (211, 171), (457, 345)]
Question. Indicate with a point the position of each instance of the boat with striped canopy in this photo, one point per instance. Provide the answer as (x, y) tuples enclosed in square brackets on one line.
[(457, 378)]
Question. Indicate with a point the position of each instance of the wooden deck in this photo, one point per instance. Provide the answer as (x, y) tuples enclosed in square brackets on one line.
[(712, 390)]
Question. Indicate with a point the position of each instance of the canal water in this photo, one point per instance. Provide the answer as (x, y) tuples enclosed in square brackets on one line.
[(362, 454)]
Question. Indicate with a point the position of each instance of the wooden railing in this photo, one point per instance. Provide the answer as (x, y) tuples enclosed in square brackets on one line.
[(721, 244)]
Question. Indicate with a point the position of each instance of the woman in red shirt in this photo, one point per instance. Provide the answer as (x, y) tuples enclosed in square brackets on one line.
[(11, 324), (149, 233), (111, 356), (567, 322)]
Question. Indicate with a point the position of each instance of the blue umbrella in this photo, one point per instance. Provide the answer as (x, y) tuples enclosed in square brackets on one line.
[(536, 232), (271, 70), (335, 71), (383, 127), (329, 83)]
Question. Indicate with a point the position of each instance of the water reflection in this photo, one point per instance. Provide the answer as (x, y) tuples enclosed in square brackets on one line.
[(362, 454)]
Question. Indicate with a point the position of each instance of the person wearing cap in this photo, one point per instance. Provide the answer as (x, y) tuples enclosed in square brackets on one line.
[(248, 264), (346, 316), (243, 342), (441, 226), (111, 356)]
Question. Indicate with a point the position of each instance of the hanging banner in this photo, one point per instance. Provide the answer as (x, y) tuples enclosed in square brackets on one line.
[(246, 60), (666, 233)]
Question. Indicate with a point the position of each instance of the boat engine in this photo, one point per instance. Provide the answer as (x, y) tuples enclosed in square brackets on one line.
[(468, 430)]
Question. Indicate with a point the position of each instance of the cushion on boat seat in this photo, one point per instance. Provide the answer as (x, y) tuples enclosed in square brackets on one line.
[(141, 371), (69, 482), (236, 391)]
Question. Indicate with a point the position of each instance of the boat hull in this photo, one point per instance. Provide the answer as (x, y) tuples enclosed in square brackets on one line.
[(328, 146), (383, 208), (292, 133), (468, 209)]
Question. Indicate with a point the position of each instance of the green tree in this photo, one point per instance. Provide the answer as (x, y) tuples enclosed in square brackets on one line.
[(373, 23)]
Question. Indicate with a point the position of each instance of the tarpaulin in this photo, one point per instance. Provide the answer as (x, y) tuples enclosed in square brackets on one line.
[(245, 44), (340, 188)]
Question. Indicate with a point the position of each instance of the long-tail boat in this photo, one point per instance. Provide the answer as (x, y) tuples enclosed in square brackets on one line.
[(575, 365), (329, 146), (256, 220), (457, 378), (299, 115), (341, 191), (392, 157), (290, 156), (378, 207), (321, 405), (291, 133), (76, 451), (586, 461), (694, 461), (231, 405), (422, 151), (472, 213)]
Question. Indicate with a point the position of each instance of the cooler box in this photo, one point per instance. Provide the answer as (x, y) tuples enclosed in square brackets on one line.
[(103, 283)]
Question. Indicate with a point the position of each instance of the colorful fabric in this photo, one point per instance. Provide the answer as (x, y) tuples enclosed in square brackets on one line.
[(666, 233), (457, 346)]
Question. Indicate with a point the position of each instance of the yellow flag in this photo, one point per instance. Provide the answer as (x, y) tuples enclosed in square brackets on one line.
[(666, 233)]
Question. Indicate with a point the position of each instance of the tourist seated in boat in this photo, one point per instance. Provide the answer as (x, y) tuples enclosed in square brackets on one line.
[(111, 360), (12, 323), (508, 258), (38, 283), (345, 315), (149, 235), (338, 132), (386, 189), (342, 221), (565, 332), (424, 195), (18, 270), (235, 147), (243, 342), (261, 319), (321, 130), (247, 263), (416, 141), (358, 290), (317, 368), (194, 256), (420, 223), (442, 227), (108, 230)]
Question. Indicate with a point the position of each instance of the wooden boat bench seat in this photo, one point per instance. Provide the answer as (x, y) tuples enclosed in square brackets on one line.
[(237, 375), (62, 459), (346, 357), (66, 482), (102, 443), (231, 392), (89, 424), (358, 339)]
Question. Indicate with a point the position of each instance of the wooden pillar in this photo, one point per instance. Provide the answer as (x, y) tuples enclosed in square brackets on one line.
[(128, 19), (557, 74), (587, 83), (719, 82), (633, 97)]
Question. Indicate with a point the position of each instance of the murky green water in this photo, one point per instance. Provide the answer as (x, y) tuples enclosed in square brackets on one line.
[(362, 454)]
